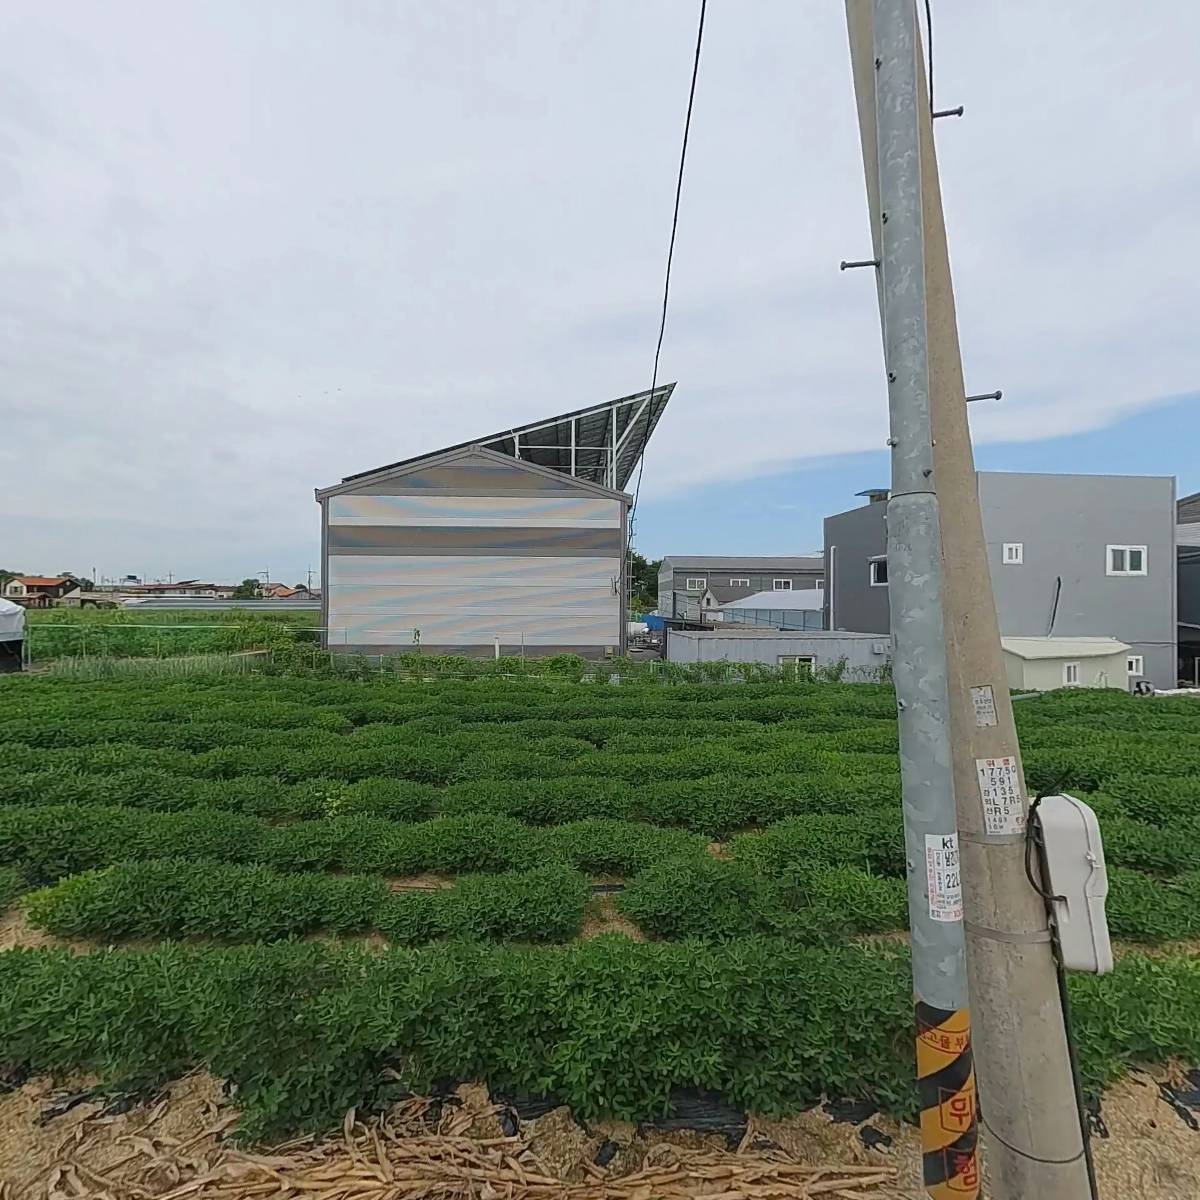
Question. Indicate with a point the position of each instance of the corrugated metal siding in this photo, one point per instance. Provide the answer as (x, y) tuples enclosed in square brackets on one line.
[(582, 512), (481, 571), (464, 569)]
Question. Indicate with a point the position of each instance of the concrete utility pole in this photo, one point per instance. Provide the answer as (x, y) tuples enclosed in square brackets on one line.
[(949, 1133), (1028, 1107)]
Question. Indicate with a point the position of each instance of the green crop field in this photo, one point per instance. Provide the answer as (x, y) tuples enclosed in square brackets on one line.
[(138, 633), (331, 889)]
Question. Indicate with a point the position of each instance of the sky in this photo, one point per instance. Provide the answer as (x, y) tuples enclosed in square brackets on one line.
[(250, 249)]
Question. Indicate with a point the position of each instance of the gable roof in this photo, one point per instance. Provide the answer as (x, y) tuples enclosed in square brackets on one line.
[(41, 580), (724, 593), (465, 454)]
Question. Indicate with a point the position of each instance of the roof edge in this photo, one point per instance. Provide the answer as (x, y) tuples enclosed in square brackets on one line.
[(469, 450)]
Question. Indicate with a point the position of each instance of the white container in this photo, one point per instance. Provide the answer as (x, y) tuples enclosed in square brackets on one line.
[(1075, 866)]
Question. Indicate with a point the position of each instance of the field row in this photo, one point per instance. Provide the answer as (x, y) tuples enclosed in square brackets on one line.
[(608, 1026), (123, 873)]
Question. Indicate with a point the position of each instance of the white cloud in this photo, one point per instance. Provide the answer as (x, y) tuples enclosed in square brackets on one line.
[(249, 249)]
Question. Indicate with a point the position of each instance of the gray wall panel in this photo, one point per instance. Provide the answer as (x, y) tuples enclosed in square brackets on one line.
[(523, 540), (583, 512), (1064, 524), (479, 572)]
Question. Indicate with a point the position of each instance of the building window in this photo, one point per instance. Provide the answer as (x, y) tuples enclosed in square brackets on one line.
[(1126, 560), (879, 576), (1070, 674), (1135, 664), (796, 664), (696, 585), (1014, 552), (741, 581), (781, 585)]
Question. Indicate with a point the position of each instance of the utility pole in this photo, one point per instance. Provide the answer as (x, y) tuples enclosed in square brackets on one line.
[(949, 1132), (1028, 1107)]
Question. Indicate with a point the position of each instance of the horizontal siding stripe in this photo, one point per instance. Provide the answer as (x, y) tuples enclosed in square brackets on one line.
[(473, 541), (522, 615), (480, 571), (532, 648), (562, 512), (380, 597), (475, 629)]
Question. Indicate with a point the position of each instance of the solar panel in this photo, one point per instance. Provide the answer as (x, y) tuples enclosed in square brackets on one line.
[(600, 444)]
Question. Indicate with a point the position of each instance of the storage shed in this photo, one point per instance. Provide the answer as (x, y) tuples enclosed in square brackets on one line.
[(1043, 663), (512, 544), (864, 655)]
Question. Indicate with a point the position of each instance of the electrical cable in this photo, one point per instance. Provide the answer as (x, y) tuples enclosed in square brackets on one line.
[(662, 325), (929, 41)]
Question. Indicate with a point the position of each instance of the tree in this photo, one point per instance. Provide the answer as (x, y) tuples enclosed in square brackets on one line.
[(643, 582), (246, 590)]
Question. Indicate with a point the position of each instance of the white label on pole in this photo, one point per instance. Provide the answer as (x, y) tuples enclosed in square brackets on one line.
[(942, 877), (983, 701), (1000, 793)]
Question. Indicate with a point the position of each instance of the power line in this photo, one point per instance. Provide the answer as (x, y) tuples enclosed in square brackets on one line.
[(929, 47), (662, 325)]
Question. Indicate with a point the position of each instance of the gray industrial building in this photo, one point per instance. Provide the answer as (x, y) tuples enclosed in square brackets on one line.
[(1070, 556), (684, 579), (1187, 560), (511, 543), (864, 656)]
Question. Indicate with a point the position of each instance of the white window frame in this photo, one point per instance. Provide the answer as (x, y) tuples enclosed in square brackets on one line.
[(739, 581), (1125, 552), (1013, 554), (1071, 669), (819, 582), (695, 583), (1135, 664), (873, 568), (797, 661), (781, 585)]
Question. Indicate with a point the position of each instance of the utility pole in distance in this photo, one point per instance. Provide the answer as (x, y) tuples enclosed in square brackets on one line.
[(1028, 1108), (949, 1133)]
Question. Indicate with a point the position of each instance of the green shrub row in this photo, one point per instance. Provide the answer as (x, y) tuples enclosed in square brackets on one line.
[(297, 756), (872, 840), (1142, 909), (52, 842), (608, 1026), (715, 805), (146, 787), (184, 897), (715, 899)]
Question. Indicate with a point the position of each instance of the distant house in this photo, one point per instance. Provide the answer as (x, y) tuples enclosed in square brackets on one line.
[(686, 581), (280, 591), (39, 591), (182, 587), (1042, 664)]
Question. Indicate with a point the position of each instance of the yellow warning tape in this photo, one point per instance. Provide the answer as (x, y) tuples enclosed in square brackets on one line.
[(949, 1115)]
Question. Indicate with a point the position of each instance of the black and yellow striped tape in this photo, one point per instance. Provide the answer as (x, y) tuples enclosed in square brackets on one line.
[(949, 1122)]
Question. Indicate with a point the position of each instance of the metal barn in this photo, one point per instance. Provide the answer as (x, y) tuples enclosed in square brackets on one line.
[(508, 544)]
